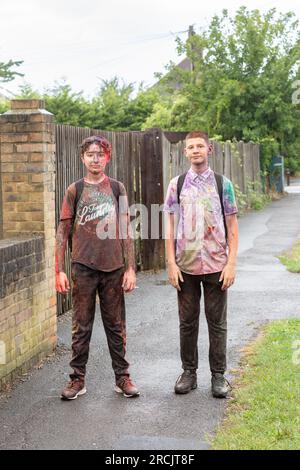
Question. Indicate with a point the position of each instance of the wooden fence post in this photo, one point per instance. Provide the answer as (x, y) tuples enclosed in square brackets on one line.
[(153, 253)]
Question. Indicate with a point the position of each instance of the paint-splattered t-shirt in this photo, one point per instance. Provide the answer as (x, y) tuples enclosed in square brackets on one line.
[(96, 211), (201, 246)]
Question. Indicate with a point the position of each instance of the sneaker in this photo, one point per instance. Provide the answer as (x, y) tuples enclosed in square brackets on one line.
[(186, 382), (125, 385), (220, 386), (73, 389)]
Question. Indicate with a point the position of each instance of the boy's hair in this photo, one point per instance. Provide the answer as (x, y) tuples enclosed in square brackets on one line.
[(201, 134), (96, 139)]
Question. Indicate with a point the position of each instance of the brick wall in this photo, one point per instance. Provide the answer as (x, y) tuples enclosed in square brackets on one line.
[(27, 325), (27, 203)]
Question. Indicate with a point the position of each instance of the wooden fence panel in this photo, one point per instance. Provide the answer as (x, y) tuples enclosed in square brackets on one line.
[(236, 165), (242, 173), (256, 167), (153, 254), (248, 165), (216, 159), (227, 160)]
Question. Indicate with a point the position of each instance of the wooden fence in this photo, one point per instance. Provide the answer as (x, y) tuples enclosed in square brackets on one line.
[(238, 161), (145, 162)]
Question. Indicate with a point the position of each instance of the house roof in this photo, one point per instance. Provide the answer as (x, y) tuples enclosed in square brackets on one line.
[(185, 64)]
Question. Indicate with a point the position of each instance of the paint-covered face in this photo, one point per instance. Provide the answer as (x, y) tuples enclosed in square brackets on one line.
[(95, 159), (197, 151)]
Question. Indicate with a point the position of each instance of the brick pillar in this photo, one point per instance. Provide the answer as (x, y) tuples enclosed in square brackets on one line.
[(27, 157), (27, 166)]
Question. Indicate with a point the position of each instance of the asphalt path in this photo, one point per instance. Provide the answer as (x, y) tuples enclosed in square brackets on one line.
[(34, 417)]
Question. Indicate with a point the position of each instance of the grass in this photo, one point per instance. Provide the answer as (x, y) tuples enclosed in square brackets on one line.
[(291, 258), (265, 410)]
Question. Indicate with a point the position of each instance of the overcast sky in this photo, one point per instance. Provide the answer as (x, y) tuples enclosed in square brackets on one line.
[(88, 40)]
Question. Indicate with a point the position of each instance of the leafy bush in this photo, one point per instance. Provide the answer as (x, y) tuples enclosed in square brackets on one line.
[(241, 199)]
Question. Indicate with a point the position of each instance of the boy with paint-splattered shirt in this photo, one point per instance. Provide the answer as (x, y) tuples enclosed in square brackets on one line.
[(94, 211), (199, 215)]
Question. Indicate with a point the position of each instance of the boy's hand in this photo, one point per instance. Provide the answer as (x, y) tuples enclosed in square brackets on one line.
[(227, 276), (129, 280), (174, 275), (62, 284)]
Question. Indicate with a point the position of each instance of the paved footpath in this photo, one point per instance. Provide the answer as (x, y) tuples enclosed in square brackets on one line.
[(34, 417)]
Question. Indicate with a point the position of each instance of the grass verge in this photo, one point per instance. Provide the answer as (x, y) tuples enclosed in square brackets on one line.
[(291, 258), (265, 410)]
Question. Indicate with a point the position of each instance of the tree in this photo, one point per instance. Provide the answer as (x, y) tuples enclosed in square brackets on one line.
[(116, 109), (4, 106), (7, 75), (241, 84), (142, 106), (113, 107), (69, 107), (6, 72), (26, 92)]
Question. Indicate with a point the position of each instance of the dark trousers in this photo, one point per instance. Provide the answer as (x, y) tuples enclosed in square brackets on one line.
[(86, 284), (215, 301)]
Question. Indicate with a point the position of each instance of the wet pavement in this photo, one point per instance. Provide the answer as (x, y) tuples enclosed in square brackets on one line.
[(34, 417)]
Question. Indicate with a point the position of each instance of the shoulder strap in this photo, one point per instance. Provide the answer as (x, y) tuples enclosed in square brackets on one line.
[(79, 188), (180, 182), (219, 180)]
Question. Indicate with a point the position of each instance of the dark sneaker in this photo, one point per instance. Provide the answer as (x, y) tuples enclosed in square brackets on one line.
[(73, 389), (125, 385), (186, 382), (220, 386)]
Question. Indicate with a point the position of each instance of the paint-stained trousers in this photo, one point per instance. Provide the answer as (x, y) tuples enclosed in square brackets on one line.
[(86, 284), (215, 302)]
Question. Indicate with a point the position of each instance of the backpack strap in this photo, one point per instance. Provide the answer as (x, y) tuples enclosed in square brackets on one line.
[(79, 188), (180, 182), (219, 181), (114, 184)]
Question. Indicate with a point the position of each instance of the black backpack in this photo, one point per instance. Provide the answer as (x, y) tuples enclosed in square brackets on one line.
[(79, 188), (219, 180)]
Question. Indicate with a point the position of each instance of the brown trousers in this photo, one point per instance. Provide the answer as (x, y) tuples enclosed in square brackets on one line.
[(215, 301), (86, 284)]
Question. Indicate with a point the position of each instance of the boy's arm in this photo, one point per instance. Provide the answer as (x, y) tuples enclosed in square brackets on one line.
[(128, 244), (64, 228), (228, 273), (129, 279), (174, 272), (62, 235)]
